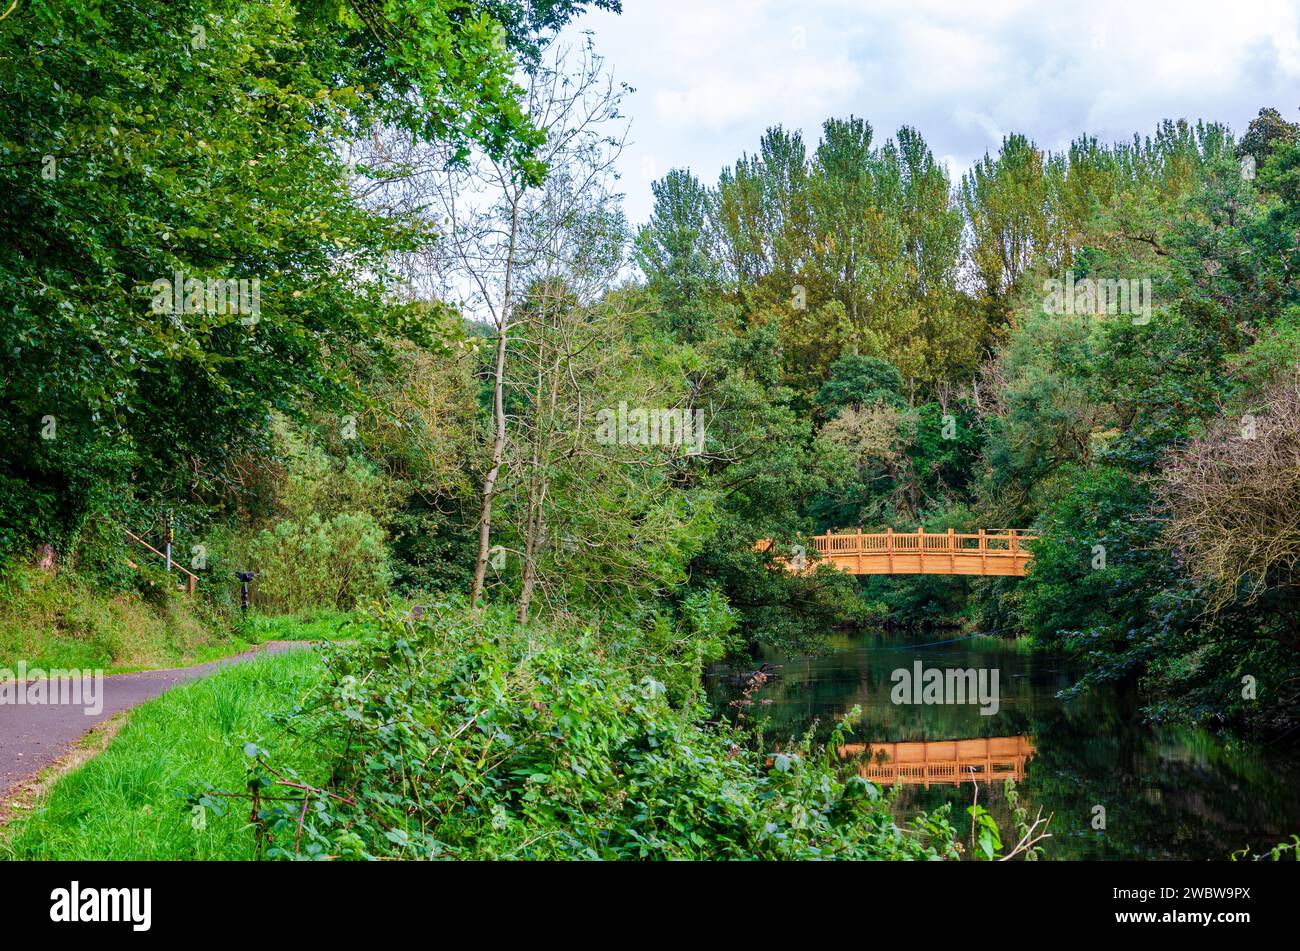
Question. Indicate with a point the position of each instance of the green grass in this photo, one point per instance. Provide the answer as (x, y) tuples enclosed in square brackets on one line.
[(128, 803), (313, 626), (1021, 644), (60, 620), (325, 625)]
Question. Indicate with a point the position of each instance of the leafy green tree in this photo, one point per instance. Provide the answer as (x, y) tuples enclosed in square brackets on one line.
[(1265, 133), (673, 250), (1008, 204), (862, 380), (151, 150)]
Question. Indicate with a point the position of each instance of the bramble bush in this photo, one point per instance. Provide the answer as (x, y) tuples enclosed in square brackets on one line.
[(460, 737)]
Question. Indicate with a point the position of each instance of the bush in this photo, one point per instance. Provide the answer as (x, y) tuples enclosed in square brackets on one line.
[(317, 562), (479, 739)]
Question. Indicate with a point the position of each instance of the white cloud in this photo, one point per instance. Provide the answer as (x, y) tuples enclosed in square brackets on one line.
[(711, 76)]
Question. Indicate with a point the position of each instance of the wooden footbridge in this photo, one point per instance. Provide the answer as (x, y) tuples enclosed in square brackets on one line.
[(942, 762), (986, 552)]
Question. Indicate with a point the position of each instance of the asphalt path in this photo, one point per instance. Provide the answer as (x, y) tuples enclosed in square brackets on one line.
[(34, 736)]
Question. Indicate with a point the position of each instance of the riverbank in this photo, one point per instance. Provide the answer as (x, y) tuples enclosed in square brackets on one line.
[(569, 742), (471, 738)]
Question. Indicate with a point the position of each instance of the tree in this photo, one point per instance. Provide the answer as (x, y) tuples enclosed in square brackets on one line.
[(1265, 133), (152, 153), (1234, 502), (504, 234), (673, 250), (855, 379)]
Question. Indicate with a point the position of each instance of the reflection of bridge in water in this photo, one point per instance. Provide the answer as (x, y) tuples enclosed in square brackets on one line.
[(952, 762)]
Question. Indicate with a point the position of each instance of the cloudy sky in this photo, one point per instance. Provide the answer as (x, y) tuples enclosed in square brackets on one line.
[(711, 75)]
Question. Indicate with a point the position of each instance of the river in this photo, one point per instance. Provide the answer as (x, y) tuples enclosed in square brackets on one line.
[(1167, 792)]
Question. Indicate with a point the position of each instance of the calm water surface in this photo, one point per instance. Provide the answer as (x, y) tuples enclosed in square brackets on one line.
[(1168, 792)]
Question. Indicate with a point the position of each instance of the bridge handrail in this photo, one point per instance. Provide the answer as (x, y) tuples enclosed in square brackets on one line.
[(998, 543)]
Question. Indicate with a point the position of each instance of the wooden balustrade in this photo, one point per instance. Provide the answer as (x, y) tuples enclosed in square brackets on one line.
[(986, 552)]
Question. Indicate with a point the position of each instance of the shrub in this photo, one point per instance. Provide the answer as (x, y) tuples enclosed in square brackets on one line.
[(479, 739), (317, 562), (1234, 496)]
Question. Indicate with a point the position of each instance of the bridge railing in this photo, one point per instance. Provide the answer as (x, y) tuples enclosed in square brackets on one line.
[(1003, 542)]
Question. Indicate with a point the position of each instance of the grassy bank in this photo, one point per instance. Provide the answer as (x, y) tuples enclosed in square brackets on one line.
[(459, 737), (128, 803), (60, 620)]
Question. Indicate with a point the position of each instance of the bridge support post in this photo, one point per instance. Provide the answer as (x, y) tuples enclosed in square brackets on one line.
[(889, 547)]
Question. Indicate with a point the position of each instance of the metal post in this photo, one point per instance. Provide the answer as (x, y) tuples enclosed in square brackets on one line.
[(245, 577)]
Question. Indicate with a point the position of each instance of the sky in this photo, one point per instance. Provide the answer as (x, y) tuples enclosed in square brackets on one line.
[(712, 75)]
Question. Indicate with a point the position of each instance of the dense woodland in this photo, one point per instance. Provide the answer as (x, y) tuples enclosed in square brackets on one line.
[(450, 295)]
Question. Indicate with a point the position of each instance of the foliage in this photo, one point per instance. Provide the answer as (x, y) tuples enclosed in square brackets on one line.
[(1092, 564), (145, 140), (1277, 853), (1234, 498), (447, 740), (338, 562)]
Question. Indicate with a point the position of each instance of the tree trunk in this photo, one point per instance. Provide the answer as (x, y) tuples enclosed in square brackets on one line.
[(539, 480), (490, 480), (530, 564), (533, 516), (498, 420)]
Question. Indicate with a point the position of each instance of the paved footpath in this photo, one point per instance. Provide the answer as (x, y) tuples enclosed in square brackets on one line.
[(33, 737)]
